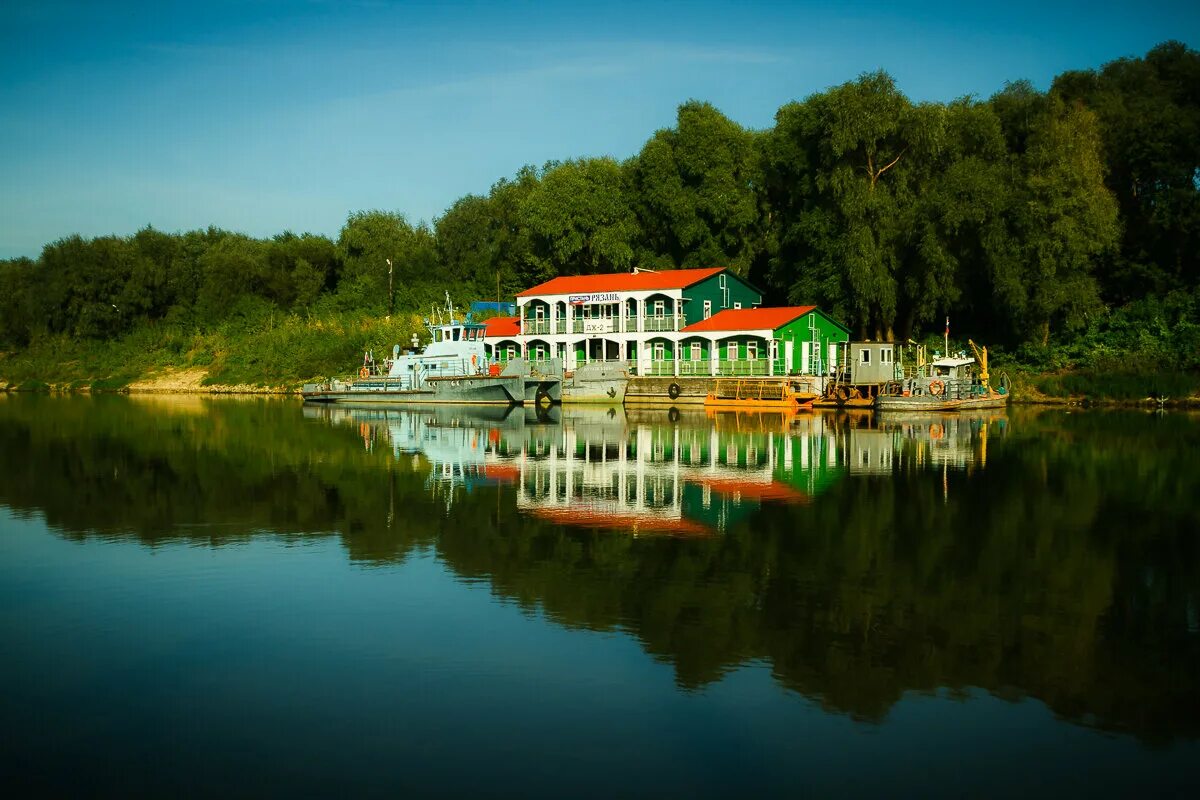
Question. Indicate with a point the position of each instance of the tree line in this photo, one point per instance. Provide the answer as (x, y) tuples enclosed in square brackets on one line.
[(1030, 215)]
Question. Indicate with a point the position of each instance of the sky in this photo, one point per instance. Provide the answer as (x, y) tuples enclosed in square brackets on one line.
[(263, 116)]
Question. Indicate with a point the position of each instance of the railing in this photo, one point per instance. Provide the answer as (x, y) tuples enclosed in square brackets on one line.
[(696, 367), (743, 366), (560, 326), (533, 326), (661, 368), (659, 323)]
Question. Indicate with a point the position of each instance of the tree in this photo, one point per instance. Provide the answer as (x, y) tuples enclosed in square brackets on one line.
[(366, 243), (1149, 122), (696, 189), (579, 220)]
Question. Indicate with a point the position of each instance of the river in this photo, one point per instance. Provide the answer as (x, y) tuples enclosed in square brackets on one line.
[(207, 596)]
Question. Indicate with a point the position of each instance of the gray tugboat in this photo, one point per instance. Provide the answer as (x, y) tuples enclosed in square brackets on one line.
[(452, 368), (946, 384)]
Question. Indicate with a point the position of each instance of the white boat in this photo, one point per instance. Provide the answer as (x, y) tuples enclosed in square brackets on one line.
[(452, 368)]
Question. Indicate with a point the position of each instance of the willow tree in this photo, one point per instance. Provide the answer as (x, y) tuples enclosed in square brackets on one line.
[(1061, 216), (367, 242), (842, 180), (579, 219), (696, 189)]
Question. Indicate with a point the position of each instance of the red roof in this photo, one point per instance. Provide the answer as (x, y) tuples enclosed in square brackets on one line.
[(502, 326), (749, 319), (622, 282)]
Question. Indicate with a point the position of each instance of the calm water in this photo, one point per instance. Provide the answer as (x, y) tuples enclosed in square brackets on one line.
[(242, 597)]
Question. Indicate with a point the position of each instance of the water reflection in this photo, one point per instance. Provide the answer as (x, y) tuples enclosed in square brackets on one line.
[(1038, 554), (690, 473)]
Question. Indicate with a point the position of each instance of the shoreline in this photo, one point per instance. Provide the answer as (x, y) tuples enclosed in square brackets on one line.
[(195, 388)]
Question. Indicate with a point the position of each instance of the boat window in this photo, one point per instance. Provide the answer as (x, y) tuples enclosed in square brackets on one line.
[(457, 333), (437, 335), (864, 356)]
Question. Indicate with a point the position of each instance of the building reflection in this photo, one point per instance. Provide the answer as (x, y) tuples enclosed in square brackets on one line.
[(662, 471)]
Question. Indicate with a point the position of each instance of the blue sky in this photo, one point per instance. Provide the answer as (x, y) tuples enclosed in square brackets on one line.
[(263, 116)]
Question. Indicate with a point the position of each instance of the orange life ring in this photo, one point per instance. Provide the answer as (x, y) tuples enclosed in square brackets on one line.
[(364, 372), (936, 387)]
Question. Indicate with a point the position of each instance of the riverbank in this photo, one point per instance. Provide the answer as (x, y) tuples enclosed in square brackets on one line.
[(1027, 388)]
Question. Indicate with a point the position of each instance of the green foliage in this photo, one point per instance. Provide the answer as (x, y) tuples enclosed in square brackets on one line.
[(1063, 225), (580, 220), (696, 189)]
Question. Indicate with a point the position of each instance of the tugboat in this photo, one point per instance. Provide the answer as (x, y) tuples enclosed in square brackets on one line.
[(947, 384), (452, 368)]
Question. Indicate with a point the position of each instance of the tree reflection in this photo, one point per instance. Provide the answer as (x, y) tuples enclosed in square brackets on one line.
[(1048, 554)]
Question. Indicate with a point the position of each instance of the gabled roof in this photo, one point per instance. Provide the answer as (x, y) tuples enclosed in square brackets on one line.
[(502, 326), (622, 282), (749, 319)]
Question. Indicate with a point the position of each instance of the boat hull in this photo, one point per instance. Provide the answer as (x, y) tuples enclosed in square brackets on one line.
[(482, 389), (928, 403)]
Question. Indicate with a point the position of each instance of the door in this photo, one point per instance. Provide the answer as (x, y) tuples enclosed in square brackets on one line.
[(805, 357)]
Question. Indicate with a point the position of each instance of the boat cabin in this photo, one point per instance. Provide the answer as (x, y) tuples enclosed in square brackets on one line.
[(955, 369)]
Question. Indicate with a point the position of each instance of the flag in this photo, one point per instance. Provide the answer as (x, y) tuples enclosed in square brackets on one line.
[(947, 326)]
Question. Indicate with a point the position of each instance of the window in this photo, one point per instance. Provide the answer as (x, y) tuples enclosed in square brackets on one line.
[(659, 308), (696, 353), (731, 351), (707, 309), (737, 305), (751, 351), (864, 356), (659, 351), (885, 356)]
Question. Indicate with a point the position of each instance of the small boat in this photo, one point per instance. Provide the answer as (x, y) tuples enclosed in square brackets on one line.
[(946, 384), (758, 393), (452, 368)]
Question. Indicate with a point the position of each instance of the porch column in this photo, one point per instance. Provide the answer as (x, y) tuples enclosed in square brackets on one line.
[(678, 323), (770, 358), (678, 351)]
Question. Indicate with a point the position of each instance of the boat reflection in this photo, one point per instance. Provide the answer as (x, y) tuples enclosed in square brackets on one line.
[(670, 472)]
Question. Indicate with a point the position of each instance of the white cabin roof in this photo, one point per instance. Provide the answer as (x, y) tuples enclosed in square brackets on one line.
[(953, 362)]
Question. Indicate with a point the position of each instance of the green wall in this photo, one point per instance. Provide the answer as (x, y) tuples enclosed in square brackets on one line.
[(797, 331), (710, 289)]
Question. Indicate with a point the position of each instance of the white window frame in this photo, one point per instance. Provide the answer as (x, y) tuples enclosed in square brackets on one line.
[(731, 351), (752, 351), (864, 356), (737, 305), (697, 352), (660, 352), (660, 308), (707, 309)]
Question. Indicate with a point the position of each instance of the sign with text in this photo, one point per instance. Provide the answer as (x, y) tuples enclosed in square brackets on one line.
[(597, 325), (581, 299)]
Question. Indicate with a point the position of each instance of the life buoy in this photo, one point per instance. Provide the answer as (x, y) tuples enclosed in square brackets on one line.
[(364, 372), (936, 388), (673, 391)]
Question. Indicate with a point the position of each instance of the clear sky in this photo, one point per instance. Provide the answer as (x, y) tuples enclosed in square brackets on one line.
[(263, 116)]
